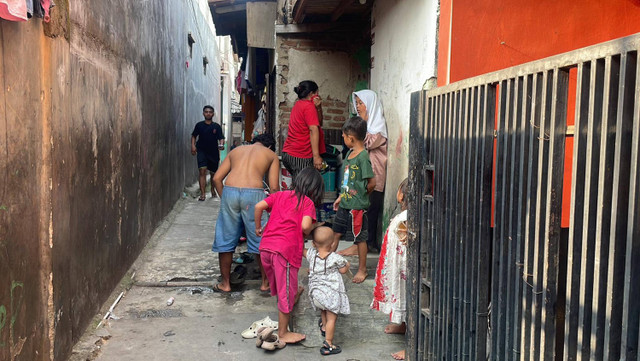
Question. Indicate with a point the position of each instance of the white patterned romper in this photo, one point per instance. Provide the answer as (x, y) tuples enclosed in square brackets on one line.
[(326, 287)]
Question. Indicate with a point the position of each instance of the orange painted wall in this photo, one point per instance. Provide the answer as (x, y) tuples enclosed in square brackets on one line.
[(481, 36)]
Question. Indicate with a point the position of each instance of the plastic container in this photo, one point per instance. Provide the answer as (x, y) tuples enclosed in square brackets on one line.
[(286, 181), (329, 178)]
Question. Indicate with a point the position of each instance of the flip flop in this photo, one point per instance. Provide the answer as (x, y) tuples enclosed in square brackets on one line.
[(216, 288), (202, 198), (327, 349)]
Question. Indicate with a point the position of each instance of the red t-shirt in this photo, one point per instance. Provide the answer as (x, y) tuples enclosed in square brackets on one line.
[(298, 142), (283, 232)]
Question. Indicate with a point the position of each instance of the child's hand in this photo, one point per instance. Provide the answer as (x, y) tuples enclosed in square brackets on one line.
[(402, 232), (336, 203), (259, 231)]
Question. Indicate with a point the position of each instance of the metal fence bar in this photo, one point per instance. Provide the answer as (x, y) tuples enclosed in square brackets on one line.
[(577, 210), (498, 249), (630, 342), (475, 212), (521, 128), (531, 190), (619, 207), (603, 226), (484, 220), (414, 235), (466, 231), (557, 128), (589, 221)]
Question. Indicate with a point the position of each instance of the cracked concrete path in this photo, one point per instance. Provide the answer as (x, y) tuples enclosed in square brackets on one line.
[(204, 325)]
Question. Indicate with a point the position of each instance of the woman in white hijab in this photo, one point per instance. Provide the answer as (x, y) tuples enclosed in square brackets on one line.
[(369, 108)]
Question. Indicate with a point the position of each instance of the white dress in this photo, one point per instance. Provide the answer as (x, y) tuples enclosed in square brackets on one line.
[(326, 287), (390, 290)]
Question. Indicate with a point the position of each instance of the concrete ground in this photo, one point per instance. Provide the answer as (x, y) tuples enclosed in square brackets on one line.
[(203, 325)]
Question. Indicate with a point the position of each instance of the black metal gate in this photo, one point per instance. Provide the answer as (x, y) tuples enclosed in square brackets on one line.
[(518, 286)]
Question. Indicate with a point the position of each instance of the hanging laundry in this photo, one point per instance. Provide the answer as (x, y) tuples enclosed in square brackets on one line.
[(14, 10), (40, 8)]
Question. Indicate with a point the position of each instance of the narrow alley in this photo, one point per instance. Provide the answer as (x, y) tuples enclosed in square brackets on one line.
[(478, 162), (203, 325)]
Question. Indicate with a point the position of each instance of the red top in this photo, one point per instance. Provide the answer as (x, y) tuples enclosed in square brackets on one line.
[(298, 142), (283, 232)]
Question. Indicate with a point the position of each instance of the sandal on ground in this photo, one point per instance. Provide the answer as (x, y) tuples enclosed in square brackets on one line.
[(327, 349), (273, 342), (202, 198), (244, 258), (263, 333), (323, 333), (252, 331)]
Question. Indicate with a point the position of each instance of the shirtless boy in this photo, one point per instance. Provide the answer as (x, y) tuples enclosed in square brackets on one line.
[(244, 169)]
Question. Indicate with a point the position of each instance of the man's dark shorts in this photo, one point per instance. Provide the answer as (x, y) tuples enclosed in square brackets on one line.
[(209, 161), (352, 223)]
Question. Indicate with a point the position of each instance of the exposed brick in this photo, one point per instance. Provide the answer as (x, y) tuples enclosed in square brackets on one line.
[(335, 111), (326, 117), (307, 44), (339, 119)]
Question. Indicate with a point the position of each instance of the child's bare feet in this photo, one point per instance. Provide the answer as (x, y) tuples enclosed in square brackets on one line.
[(395, 328), (292, 337), (264, 287), (360, 277), (350, 251), (398, 355)]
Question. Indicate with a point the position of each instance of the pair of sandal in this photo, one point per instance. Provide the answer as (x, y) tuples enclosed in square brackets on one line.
[(326, 348), (252, 331), (268, 340)]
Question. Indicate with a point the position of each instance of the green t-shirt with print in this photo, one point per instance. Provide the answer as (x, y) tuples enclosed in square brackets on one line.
[(357, 171)]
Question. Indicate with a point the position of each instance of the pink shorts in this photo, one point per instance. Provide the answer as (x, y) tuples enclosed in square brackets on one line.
[(283, 279)]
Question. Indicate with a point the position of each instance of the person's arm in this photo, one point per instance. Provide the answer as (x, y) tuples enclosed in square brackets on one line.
[(304, 252), (221, 174), (371, 184), (307, 224), (373, 141), (314, 134), (344, 269), (221, 139), (259, 208), (317, 101), (336, 203), (274, 175), (193, 145)]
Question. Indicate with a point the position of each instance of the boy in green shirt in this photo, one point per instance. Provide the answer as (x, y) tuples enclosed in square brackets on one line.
[(353, 202)]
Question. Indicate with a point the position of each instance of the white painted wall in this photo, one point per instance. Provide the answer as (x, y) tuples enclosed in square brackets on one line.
[(404, 58), (330, 70)]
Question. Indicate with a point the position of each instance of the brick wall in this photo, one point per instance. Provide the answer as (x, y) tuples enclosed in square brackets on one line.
[(335, 107)]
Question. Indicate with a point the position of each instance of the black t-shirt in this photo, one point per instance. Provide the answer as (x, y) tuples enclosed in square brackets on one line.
[(208, 136)]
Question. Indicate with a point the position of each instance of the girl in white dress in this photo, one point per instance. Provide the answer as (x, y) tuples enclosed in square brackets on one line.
[(389, 292), (326, 288)]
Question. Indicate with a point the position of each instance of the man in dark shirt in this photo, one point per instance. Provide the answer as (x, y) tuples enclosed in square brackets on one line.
[(210, 140)]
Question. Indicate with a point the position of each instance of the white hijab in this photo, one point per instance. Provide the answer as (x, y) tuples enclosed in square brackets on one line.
[(376, 122)]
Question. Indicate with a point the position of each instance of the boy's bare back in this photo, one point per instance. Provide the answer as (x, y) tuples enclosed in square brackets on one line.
[(245, 167)]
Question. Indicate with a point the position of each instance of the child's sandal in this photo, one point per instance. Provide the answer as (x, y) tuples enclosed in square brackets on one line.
[(327, 349)]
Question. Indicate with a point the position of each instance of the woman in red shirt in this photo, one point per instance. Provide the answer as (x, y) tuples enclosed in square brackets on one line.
[(305, 138)]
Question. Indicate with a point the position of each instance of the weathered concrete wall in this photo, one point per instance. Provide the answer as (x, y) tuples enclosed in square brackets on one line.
[(403, 61), (331, 60), (96, 112)]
